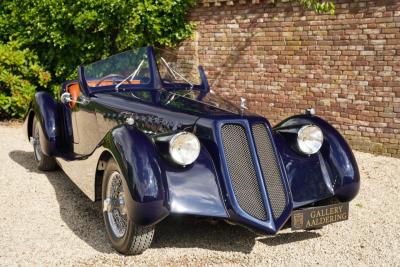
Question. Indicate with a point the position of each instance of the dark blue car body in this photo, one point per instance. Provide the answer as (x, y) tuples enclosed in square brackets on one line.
[(83, 137)]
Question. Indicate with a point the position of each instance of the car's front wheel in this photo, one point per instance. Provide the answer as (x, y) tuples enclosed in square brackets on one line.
[(125, 236)]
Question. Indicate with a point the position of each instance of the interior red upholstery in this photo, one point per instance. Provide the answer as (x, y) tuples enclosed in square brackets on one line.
[(110, 82), (103, 83), (75, 91)]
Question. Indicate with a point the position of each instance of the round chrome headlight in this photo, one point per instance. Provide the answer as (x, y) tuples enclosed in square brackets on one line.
[(309, 139), (184, 148)]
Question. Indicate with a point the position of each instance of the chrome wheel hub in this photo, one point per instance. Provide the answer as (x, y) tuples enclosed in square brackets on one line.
[(114, 205)]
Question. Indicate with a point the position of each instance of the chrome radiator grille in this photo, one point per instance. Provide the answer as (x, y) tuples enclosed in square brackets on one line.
[(242, 171), (270, 169)]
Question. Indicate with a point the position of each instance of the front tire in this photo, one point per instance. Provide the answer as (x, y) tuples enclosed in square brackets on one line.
[(125, 236), (44, 162)]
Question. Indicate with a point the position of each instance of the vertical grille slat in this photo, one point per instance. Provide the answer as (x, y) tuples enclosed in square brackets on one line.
[(242, 171), (270, 169)]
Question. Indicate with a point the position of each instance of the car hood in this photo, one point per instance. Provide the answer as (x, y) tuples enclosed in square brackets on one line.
[(169, 110)]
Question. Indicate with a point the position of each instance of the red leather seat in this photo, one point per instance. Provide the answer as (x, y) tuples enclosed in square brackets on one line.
[(75, 92)]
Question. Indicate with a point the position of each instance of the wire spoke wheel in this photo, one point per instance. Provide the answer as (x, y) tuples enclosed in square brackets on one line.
[(114, 205), (125, 235), (36, 145)]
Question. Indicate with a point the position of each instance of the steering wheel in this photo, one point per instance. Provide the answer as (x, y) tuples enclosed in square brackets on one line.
[(112, 75)]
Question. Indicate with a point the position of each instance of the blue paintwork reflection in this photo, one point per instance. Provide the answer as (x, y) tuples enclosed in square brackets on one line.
[(135, 153), (195, 189), (140, 161)]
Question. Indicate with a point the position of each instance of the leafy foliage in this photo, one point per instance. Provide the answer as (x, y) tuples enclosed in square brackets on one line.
[(319, 6), (66, 33), (19, 75)]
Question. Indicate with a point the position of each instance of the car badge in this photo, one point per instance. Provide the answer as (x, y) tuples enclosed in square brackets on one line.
[(243, 104), (310, 111)]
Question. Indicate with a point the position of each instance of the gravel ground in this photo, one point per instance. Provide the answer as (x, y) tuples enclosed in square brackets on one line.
[(46, 220)]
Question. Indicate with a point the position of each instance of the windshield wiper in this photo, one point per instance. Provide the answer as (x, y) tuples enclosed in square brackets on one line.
[(174, 73), (169, 68), (133, 74)]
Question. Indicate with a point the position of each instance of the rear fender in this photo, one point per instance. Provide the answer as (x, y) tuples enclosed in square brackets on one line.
[(137, 158), (28, 121), (45, 109)]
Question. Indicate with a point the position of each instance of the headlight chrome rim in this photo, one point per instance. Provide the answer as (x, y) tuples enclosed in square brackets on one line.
[(181, 157), (310, 139)]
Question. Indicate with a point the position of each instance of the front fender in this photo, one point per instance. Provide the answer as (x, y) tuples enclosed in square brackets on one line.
[(195, 189), (137, 158), (331, 172)]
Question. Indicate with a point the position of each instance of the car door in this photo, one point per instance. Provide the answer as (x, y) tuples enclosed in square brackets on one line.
[(85, 130)]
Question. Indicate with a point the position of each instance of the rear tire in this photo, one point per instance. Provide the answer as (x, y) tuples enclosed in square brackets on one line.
[(44, 162), (125, 236)]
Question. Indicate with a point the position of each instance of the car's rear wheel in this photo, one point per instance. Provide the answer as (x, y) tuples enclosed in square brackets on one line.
[(44, 162), (125, 236)]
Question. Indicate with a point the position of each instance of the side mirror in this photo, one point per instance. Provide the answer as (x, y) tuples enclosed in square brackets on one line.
[(204, 86), (66, 98)]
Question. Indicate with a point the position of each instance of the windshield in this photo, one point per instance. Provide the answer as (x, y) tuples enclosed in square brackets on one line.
[(127, 68), (177, 68), (179, 75), (132, 68)]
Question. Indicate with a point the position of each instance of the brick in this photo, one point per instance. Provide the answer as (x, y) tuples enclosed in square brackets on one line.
[(284, 60)]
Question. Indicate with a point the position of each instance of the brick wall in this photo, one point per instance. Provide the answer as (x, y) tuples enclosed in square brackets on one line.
[(284, 59)]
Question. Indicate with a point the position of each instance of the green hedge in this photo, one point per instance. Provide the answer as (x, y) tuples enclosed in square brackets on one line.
[(62, 34), (20, 75)]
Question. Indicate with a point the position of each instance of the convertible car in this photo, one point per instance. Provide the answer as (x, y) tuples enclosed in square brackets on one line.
[(143, 132)]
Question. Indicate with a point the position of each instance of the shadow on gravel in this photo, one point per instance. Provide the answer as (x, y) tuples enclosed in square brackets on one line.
[(286, 238), (84, 218), (79, 213), (195, 232)]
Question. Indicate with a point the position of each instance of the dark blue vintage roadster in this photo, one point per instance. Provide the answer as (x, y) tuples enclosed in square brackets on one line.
[(143, 133)]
